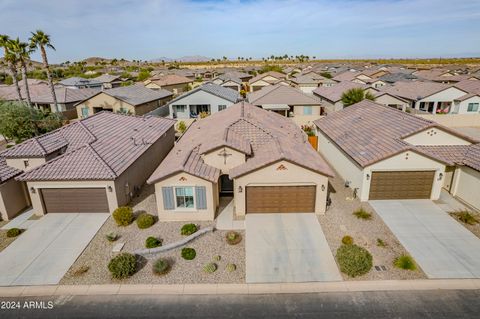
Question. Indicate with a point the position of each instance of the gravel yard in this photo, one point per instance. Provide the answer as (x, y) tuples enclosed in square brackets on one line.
[(99, 252), (339, 221), (475, 228), (4, 240)]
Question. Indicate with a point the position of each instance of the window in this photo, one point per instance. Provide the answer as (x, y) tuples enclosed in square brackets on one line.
[(307, 110), (472, 107), (84, 112), (184, 197), (180, 108), (26, 163), (222, 107)]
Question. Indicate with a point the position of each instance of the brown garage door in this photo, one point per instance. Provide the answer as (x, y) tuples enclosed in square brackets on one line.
[(280, 199), (75, 200), (401, 185)]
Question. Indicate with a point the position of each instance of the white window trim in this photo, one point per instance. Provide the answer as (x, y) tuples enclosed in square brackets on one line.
[(473, 103), (194, 208)]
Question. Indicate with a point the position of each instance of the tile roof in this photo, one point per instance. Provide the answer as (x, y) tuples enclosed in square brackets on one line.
[(170, 79), (137, 94), (65, 95), (217, 90), (346, 76), (472, 157), (369, 132), (471, 86), (107, 78), (414, 90), (267, 136), (281, 94), (277, 75), (99, 147), (397, 77), (334, 93), (451, 154), (7, 172), (77, 81)]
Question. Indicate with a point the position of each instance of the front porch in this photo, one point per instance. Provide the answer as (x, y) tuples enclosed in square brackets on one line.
[(435, 107)]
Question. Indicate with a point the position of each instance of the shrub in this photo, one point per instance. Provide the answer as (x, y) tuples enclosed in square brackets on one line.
[(13, 232), (231, 267), (217, 258), (188, 253), (210, 268), (381, 243), (362, 214), (347, 240), (145, 220), (123, 216), (233, 238), (161, 267), (354, 260), (182, 127), (405, 262), (188, 229), (122, 266), (111, 237), (152, 242), (466, 217)]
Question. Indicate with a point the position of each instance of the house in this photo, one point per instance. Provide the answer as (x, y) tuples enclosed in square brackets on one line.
[(80, 83), (209, 98), (383, 153), (388, 99), (93, 165), (35, 87), (109, 81), (177, 84), (133, 99), (265, 79), (392, 78), (244, 77), (286, 100), (261, 159), (468, 103), (331, 96), (66, 100), (229, 81)]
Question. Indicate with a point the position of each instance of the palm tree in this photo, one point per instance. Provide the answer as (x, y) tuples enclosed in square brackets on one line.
[(10, 58), (41, 40), (355, 95), (22, 51)]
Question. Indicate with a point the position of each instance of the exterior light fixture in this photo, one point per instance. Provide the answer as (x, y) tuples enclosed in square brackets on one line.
[(440, 176), (32, 190), (110, 189), (323, 188), (240, 189), (368, 177)]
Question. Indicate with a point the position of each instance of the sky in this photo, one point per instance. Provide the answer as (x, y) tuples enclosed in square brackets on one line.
[(149, 29)]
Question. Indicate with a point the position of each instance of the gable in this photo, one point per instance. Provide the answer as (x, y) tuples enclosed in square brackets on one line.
[(435, 136), (259, 82), (224, 158), (448, 94), (201, 97)]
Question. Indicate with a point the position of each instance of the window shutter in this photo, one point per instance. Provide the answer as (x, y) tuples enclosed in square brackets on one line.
[(201, 197), (167, 193)]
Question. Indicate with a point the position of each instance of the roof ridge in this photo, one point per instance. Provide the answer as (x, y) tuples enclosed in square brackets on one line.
[(85, 128), (44, 151), (97, 156)]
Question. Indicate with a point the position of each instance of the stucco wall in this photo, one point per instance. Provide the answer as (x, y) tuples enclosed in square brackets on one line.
[(104, 101), (185, 179), (140, 171), (435, 136), (444, 96), (390, 100), (298, 109), (466, 186), (213, 158), (405, 161), (18, 163), (461, 107), (13, 198), (270, 176), (197, 98)]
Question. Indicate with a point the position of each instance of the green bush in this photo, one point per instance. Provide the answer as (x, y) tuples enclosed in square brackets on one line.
[(362, 214), (188, 229), (13, 232), (405, 262), (161, 267), (233, 237), (354, 260), (122, 266), (188, 253), (466, 217), (210, 268), (152, 242), (231, 267), (145, 220), (123, 216), (111, 237), (381, 243), (347, 240)]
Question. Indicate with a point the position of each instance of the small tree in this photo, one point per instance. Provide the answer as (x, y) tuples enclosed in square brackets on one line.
[(355, 95), (182, 127)]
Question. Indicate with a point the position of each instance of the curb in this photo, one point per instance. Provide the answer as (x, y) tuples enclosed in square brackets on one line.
[(242, 289)]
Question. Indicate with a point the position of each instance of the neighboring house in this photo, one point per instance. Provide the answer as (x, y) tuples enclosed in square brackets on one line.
[(388, 99), (397, 77), (331, 96), (469, 103), (133, 99), (80, 83), (209, 98), (66, 100), (244, 77), (261, 159), (36, 88), (174, 83), (265, 79), (383, 153), (228, 81), (109, 81), (285, 100), (90, 166)]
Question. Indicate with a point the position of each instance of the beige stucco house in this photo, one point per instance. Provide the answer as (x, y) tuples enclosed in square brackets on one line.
[(93, 165), (265, 79), (177, 84), (134, 99), (260, 158)]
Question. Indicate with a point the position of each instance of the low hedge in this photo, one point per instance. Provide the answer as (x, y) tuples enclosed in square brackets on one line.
[(188, 229), (145, 220), (13, 232), (354, 260), (123, 216), (188, 253), (161, 267), (152, 242), (123, 265)]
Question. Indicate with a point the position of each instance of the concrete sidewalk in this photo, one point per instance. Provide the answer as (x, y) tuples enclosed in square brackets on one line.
[(242, 289)]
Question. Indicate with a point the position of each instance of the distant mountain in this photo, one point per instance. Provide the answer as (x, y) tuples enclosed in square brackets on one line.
[(188, 58)]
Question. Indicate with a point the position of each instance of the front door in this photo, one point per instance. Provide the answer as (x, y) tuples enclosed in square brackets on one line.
[(226, 186)]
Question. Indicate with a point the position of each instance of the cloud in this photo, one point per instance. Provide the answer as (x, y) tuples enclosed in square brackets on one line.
[(342, 28)]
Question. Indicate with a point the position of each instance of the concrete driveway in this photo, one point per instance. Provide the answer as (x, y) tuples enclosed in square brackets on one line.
[(438, 243), (43, 254), (287, 248)]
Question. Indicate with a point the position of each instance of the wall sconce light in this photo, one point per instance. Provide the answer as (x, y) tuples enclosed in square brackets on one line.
[(110, 189), (32, 190), (323, 188), (368, 177), (440, 176), (240, 189)]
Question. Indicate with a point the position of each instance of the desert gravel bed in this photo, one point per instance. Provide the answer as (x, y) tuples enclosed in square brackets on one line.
[(475, 229), (339, 221), (4, 240), (99, 252)]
